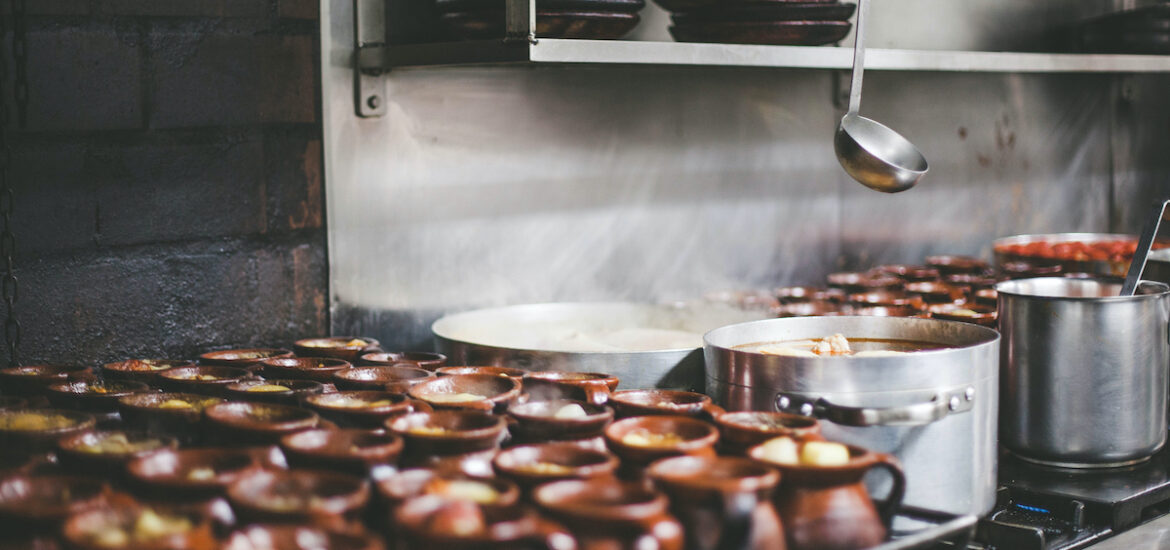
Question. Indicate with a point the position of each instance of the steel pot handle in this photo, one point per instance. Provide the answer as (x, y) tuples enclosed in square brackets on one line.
[(919, 414)]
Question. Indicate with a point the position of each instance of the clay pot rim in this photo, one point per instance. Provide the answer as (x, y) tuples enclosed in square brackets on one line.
[(351, 375), (398, 402), (677, 400), (229, 357), (333, 443), (306, 363), (370, 342), (507, 463), (225, 376), (183, 459), (617, 430), (415, 357), (580, 499), (230, 414), (240, 388), (521, 413), (401, 426), (43, 372), (705, 473), (457, 370), (149, 401), (501, 394), (860, 458), (252, 491), (71, 388), (79, 421), (120, 366), (728, 420), (387, 488), (71, 443)]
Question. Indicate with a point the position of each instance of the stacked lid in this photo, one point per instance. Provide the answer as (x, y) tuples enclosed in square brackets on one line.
[(787, 22), (594, 19), (1141, 31)]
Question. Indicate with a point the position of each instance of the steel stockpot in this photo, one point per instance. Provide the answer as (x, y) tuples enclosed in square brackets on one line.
[(934, 410), (1084, 371)]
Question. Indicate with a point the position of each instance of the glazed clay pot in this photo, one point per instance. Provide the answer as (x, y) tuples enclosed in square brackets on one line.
[(204, 380), (352, 451), (450, 441), (363, 409), (740, 431), (509, 372), (688, 437), (242, 358), (730, 497), (91, 452), (306, 497), (533, 465), (420, 359), (269, 537), (628, 403), (347, 348), (318, 369), (606, 514), (495, 392), (83, 531), (141, 370), (828, 507), (39, 503), (393, 379), (249, 424), (434, 522), (536, 422), (596, 387)]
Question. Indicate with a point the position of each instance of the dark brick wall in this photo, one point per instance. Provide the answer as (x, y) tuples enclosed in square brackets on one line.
[(168, 184)]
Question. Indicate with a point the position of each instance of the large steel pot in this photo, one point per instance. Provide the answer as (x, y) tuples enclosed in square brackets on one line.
[(532, 337), (934, 410), (1084, 371)]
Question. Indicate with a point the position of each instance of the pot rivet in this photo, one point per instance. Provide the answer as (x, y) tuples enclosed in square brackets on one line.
[(806, 409), (954, 403), (969, 394)]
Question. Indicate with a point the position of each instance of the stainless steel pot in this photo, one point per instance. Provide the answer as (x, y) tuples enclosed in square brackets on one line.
[(1084, 371), (934, 410), (544, 337)]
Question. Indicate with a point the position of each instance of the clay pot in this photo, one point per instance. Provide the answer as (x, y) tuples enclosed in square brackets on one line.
[(308, 497), (191, 474), (205, 380), (39, 503), (828, 507), (885, 298), (254, 390), (611, 514), (319, 369), (363, 409), (33, 380), (950, 265), (807, 294), (92, 395), (250, 424), (851, 282), (141, 370), (509, 372), (691, 437), (934, 292), (536, 422), (398, 488), (91, 452), (628, 403), (347, 348), (909, 273), (242, 358), (740, 431), (153, 413), (421, 359), (533, 465), (496, 392), (393, 379), (595, 387), (27, 432), (434, 522), (299, 537), (83, 531), (451, 440), (730, 497), (351, 451)]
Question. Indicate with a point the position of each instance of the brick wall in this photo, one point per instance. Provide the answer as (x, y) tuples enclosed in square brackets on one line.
[(169, 194)]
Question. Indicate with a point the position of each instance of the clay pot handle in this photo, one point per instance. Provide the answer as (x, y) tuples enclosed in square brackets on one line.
[(738, 509), (897, 491), (712, 411), (597, 394)]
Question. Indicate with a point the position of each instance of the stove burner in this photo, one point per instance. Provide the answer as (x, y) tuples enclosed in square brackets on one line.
[(1046, 508)]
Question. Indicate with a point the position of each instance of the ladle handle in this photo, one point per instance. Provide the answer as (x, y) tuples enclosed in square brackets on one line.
[(858, 57), (1137, 266)]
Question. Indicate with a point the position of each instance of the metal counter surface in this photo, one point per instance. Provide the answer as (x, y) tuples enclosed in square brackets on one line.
[(1148, 536)]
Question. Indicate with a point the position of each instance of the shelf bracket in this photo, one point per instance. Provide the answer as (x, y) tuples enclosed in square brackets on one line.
[(520, 21), (369, 63)]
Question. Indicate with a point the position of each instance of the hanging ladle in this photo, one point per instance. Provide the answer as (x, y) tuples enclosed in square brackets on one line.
[(1137, 266), (871, 153)]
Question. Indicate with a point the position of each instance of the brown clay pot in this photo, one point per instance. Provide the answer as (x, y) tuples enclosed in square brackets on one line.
[(77, 452), (296, 394), (293, 537), (310, 497), (83, 531), (141, 370), (151, 413), (694, 437), (346, 348), (191, 474), (496, 392), (319, 369), (435, 522), (205, 380), (533, 465), (949, 265), (27, 432), (242, 358), (509, 372), (730, 497), (628, 403), (363, 409), (909, 273), (39, 503), (92, 395), (398, 488), (740, 431), (351, 451), (420, 359), (393, 379), (828, 507), (249, 424), (611, 514), (595, 387), (807, 294), (935, 292), (853, 282), (450, 440), (33, 380), (536, 422)]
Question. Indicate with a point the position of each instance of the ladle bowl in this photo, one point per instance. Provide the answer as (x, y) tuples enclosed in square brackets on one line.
[(877, 156)]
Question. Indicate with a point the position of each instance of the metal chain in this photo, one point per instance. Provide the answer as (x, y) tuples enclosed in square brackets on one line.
[(8, 284)]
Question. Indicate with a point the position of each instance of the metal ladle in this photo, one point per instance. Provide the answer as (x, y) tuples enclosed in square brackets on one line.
[(1137, 265), (874, 155)]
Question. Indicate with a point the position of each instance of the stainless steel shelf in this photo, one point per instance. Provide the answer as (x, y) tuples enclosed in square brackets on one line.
[(618, 52)]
